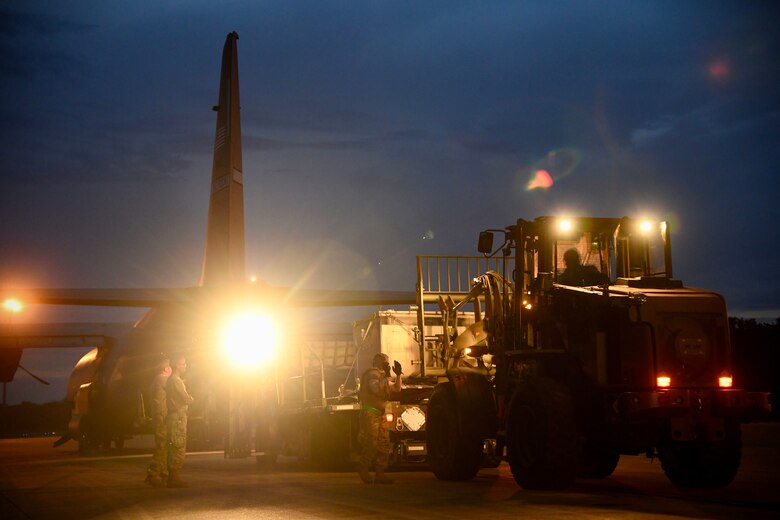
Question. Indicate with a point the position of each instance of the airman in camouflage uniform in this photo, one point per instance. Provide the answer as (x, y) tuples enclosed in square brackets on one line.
[(178, 401), (375, 389), (157, 472)]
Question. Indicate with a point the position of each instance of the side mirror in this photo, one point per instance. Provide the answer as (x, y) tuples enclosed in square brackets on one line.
[(485, 245)]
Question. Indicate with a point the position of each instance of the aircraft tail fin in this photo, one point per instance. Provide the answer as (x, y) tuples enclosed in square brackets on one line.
[(224, 256)]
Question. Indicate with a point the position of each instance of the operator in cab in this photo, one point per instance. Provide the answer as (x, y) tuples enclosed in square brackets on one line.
[(376, 385), (577, 274)]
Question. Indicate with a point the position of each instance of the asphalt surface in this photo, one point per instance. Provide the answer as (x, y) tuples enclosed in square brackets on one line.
[(38, 481)]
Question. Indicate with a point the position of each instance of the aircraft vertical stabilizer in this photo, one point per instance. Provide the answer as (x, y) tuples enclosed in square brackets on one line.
[(223, 258)]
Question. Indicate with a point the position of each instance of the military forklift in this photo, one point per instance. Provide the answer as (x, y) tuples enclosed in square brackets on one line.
[(568, 367)]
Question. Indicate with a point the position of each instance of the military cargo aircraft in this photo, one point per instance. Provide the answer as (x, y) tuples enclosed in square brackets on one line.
[(108, 384)]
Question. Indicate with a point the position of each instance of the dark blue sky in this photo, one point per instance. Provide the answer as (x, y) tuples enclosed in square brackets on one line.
[(377, 131)]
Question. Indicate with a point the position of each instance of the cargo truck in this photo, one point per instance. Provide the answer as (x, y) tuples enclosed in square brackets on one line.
[(310, 410)]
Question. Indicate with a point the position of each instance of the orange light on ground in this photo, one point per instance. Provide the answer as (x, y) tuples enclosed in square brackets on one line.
[(663, 381)]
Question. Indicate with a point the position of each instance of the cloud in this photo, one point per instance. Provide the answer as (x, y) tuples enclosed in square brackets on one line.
[(26, 49), (645, 136)]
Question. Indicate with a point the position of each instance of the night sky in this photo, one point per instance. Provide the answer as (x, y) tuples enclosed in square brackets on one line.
[(377, 131)]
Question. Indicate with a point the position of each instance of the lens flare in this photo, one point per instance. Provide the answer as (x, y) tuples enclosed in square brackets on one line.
[(553, 167), (673, 221), (719, 69), (541, 179)]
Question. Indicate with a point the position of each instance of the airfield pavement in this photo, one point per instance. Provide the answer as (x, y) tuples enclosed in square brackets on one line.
[(41, 482)]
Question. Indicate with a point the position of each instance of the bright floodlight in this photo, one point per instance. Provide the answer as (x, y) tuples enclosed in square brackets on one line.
[(645, 226), (250, 339), (564, 225), (13, 305)]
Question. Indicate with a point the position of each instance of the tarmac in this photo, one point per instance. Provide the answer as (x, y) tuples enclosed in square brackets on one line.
[(41, 482)]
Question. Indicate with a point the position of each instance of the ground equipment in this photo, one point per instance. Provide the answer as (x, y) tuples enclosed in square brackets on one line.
[(622, 358)]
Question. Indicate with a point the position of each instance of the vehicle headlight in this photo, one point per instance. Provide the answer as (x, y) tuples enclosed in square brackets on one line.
[(413, 418)]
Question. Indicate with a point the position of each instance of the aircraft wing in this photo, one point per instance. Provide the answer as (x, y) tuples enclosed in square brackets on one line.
[(59, 335), (156, 297), (99, 297)]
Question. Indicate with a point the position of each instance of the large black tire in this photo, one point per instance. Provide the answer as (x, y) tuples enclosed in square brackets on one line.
[(597, 461), (702, 463), (543, 443), (454, 451), (476, 405), (88, 437)]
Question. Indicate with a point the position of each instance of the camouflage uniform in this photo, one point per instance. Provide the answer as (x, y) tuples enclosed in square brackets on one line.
[(159, 465), (374, 431), (178, 401)]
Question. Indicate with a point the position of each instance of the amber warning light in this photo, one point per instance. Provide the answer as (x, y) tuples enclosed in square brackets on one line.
[(725, 381), (663, 381)]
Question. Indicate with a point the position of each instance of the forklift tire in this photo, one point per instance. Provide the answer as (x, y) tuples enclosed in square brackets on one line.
[(543, 443), (702, 463), (453, 453), (598, 461), (476, 405)]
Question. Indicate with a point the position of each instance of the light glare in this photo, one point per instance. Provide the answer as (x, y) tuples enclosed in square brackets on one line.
[(13, 305), (663, 381), (250, 339), (725, 381)]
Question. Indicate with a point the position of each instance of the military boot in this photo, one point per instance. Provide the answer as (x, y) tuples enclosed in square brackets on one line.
[(154, 480), (175, 482), (365, 476), (381, 478)]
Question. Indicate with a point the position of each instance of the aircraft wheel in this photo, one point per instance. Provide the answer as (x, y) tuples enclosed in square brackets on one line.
[(543, 444), (702, 463), (454, 451), (88, 445)]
